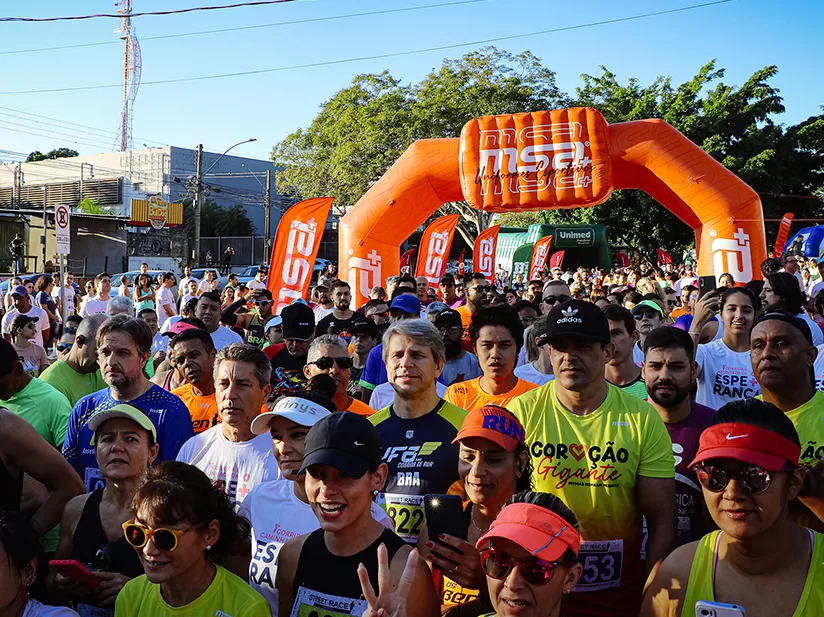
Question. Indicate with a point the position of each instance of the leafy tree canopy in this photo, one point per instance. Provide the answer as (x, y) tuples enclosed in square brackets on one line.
[(58, 153), (217, 221)]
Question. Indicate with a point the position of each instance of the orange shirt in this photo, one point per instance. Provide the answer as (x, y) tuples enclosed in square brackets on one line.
[(466, 318), (677, 312), (469, 395), (360, 408), (203, 409)]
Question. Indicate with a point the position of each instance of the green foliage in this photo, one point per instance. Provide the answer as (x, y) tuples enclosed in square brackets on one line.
[(217, 221), (90, 206), (58, 153)]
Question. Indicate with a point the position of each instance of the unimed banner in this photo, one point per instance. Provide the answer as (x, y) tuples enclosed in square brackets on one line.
[(483, 253), (295, 248), (540, 252), (783, 234), (433, 252)]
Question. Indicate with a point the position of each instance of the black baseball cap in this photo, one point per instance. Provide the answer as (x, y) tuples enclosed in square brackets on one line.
[(576, 319), (343, 440), (366, 327), (298, 322), (788, 318), (448, 315)]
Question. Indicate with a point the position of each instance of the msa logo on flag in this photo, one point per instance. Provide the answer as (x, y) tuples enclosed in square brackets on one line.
[(541, 252), (531, 159), (364, 274), (297, 268), (435, 256), (486, 250), (733, 256)]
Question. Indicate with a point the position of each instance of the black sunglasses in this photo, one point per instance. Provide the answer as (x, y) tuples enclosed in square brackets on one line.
[(554, 299), (325, 363), (715, 479)]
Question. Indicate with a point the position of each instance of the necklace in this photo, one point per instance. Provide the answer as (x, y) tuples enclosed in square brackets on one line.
[(475, 525)]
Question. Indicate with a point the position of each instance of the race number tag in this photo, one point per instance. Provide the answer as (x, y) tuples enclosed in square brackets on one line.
[(85, 610), (602, 561), (406, 511), (94, 479), (309, 603)]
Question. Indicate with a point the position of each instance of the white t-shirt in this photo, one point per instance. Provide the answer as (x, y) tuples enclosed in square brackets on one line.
[(164, 297), (724, 375), (255, 284), (36, 609), (818, 368), (817, 287), (69, 296), (321, 312), (815, 329), (637, 354), (529, 373), (242, 466), (34, 311), (277, 516), (159, 343), (184, 282), (384, 395), (167, 325), (94, 306), (223, 336), (204, 286), (461, 369), (687, 280)]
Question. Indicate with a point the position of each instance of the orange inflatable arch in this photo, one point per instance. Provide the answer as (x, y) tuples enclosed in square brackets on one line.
[(565, 158)]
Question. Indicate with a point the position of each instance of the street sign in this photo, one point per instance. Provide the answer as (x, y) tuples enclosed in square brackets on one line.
[(62, 229)]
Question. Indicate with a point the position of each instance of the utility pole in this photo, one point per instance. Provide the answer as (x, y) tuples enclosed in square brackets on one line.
[(197, 204), (45, 223), (267, 206)]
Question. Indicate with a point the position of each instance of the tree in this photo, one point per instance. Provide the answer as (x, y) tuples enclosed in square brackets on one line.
[(362, 130), (90, 206), (59, 153), (217, 221)]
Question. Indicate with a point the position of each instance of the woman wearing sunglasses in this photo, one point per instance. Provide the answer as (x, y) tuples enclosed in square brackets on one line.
[(493, 465), (319, 572), (90, 530), (183, 527), (747, 464)]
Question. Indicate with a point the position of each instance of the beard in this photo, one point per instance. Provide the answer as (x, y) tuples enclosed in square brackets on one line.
[(343, 305), (453, 348), (669, 400)]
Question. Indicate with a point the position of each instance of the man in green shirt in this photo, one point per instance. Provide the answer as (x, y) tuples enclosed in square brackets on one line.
[(78, 375), (621, 370)]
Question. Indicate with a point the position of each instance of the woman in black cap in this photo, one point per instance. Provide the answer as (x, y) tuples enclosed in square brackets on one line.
[(342, 460)]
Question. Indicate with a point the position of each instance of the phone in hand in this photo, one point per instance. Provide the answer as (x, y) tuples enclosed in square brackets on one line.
[(73, 569), (706, 284), (444, 515), (718, 609)]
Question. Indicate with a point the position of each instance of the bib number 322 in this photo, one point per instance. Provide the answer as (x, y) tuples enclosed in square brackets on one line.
[(602, 561)]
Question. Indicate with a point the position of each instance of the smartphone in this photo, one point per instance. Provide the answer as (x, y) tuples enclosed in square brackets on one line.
[(73, 569), (444, 515), (717, 609), (706, 284)]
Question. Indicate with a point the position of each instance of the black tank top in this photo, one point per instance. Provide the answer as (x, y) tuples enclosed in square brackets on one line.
[(331, 582), (91, 547), (11, 489), (254, 334)]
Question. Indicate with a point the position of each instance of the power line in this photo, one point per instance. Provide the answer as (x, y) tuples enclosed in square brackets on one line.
[(82, 143), (253, 27), (145, 13), (94, 133), (380, 56)]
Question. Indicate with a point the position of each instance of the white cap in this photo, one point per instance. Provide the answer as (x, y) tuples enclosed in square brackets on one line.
[(272, 321), (299, 410)]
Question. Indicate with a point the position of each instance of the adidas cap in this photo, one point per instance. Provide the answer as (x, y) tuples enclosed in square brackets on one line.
[(576, 319)]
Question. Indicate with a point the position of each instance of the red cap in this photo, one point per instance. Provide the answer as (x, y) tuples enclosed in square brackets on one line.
[(537, 530), (748, 444), (495, 424), (178, 327)]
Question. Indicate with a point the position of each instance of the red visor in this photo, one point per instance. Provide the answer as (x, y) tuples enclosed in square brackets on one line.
[(748, 444), (535, 529)]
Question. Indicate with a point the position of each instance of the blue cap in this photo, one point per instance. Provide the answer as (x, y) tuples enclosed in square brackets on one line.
[(407, 303), (820, 261), (19, 291)]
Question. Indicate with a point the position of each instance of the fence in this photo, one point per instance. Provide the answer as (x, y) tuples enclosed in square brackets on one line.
[(250, 250)]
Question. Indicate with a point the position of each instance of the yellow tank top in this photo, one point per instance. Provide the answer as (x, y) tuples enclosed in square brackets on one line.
[(702, 573)]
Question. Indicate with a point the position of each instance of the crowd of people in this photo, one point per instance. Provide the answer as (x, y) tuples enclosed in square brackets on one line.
[(589, 443)]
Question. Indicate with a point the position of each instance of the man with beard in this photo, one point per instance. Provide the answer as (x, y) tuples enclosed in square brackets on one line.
[(669, 374), (328, 354), (648, 316), (287, 364), (324, 306), (621, 370), (460, 365), (448, 295), (533, 290), (342, 318), (194, 355), (123, 348), (478, 294), (780, 293)]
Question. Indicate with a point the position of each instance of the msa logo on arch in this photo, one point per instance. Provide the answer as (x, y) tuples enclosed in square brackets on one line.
[(733, 256), (364, 274)]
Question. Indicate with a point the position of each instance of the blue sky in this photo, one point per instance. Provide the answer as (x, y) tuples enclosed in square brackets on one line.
[(744, 35)]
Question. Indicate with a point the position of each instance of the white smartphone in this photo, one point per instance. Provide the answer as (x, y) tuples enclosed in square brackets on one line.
[(718, 609)]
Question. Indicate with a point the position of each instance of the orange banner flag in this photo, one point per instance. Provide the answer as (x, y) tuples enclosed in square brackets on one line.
[(540, 252), (783, 234), (433, 251), (483, 253), (296, 245)]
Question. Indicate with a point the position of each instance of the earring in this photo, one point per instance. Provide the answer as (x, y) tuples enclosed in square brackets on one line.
[(208, 547), (375, 493)]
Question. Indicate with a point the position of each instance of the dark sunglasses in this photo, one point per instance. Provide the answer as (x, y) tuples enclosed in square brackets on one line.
[(325, 363), (535, 571), (715, 479), (262, 302), (554, 299), (641, 314), (164, 539), (381, 314), (61, 347), (483, 289)]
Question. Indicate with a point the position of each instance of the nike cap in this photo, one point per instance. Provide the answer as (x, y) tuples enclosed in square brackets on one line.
[(345, 441), (576, 319)]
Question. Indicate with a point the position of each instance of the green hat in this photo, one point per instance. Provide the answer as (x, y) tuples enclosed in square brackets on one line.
[(122, 411), (648, 304)]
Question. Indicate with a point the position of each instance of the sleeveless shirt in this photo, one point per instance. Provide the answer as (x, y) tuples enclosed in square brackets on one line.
[(702, 576), (328, 584)]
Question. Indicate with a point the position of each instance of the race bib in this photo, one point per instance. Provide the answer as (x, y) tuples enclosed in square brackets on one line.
[(406, 511), (453, 593), (84, 610), (309, 603), (602, 561), (94, 479)]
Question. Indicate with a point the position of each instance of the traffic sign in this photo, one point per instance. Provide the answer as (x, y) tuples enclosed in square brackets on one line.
[(62, 229)]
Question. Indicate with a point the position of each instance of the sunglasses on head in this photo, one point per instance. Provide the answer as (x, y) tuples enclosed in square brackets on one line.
[(165, 539), (554, 299), (715, 478), (325, 363), (498, 565)]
